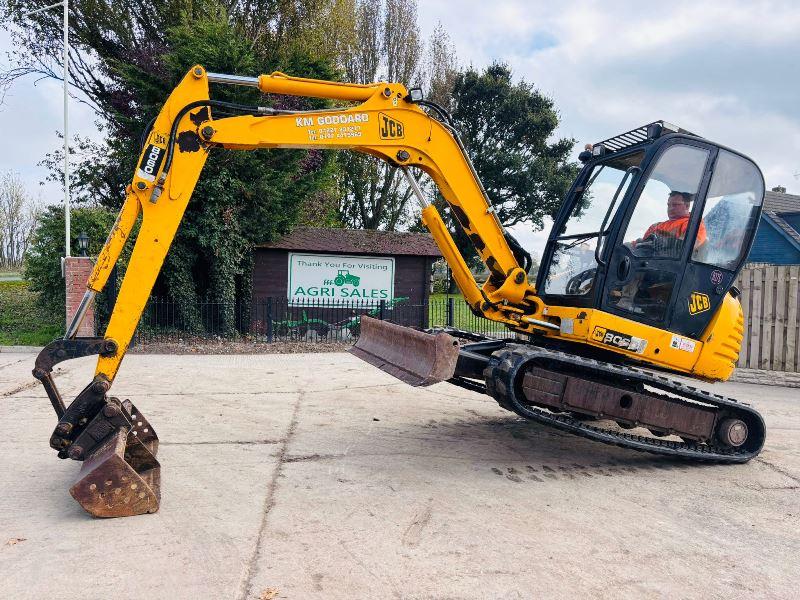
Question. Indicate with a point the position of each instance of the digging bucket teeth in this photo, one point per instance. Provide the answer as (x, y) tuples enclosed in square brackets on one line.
[(120, 475), (413, 356)]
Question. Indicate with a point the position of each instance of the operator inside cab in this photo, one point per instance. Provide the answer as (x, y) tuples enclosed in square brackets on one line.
[(666, 237)]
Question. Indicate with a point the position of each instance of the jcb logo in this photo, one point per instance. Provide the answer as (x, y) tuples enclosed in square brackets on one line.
[(599, 334), (698, 303), (390, 129)]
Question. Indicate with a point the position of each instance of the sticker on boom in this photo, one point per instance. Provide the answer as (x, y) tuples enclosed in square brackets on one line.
[(698, 303), (389, 128), (619, 340), (151, 162)]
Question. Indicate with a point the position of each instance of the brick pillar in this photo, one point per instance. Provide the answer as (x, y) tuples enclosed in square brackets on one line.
[(76, 273)]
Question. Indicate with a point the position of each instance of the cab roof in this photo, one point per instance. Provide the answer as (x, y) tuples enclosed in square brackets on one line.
[(645, 133)]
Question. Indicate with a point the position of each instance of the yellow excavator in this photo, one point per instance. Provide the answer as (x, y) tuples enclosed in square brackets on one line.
[(636, 280)]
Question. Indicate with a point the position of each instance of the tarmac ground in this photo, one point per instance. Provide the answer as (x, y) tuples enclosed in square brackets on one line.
[(318, 476)]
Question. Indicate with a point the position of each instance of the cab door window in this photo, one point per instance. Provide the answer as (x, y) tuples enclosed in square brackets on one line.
[(648, 264), (660, 222)]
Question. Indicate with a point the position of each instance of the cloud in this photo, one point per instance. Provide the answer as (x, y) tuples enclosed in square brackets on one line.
[(31, 118), (726, 70), (613, 64)]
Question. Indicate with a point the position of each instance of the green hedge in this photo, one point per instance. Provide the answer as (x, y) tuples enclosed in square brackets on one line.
[(23, 320)]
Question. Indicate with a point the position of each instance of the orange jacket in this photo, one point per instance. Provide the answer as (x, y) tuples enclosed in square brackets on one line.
[(676, 228)]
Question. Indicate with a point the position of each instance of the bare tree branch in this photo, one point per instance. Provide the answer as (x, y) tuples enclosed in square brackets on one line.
[(19, 214)]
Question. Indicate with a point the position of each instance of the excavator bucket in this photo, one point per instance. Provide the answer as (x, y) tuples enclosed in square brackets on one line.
[(121, 476), (416, 357)]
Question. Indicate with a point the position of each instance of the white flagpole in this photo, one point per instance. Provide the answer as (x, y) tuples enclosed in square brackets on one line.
[(65, 4), (66, 126)]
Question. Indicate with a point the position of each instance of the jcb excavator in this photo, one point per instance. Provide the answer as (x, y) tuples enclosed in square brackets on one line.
[(638, 273)]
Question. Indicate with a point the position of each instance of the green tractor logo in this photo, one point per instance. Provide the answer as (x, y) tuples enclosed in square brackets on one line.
[(344, 277)]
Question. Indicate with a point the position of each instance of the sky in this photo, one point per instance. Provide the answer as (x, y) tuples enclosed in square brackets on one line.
[(728, 71)]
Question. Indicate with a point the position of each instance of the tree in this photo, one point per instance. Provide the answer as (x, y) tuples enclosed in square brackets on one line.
[(441, 68), (243, 198), (371, 40), (128, 55), (507, 129), (43, 262), (19, 214), (108, 34)]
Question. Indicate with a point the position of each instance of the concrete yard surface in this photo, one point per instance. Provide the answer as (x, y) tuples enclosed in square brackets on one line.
[(318, 476)]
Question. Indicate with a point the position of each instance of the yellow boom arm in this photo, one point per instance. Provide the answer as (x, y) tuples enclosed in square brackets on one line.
[(384, 124)]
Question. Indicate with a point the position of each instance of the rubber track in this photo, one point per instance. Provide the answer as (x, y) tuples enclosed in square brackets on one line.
[(507, 366)]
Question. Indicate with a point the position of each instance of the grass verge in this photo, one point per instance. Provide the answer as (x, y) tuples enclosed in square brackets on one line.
[(22, 321), (462, 317)]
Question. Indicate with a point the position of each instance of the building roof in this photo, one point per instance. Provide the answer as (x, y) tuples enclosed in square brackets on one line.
[(357, 241), (778, 203)]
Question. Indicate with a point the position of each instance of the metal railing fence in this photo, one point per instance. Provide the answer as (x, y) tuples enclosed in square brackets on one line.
[(277, 319)]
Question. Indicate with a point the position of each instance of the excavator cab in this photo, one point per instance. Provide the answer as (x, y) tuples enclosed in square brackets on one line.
[(655, 229)]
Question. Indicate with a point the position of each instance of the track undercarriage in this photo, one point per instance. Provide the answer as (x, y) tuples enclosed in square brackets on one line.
[(606, 402)]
